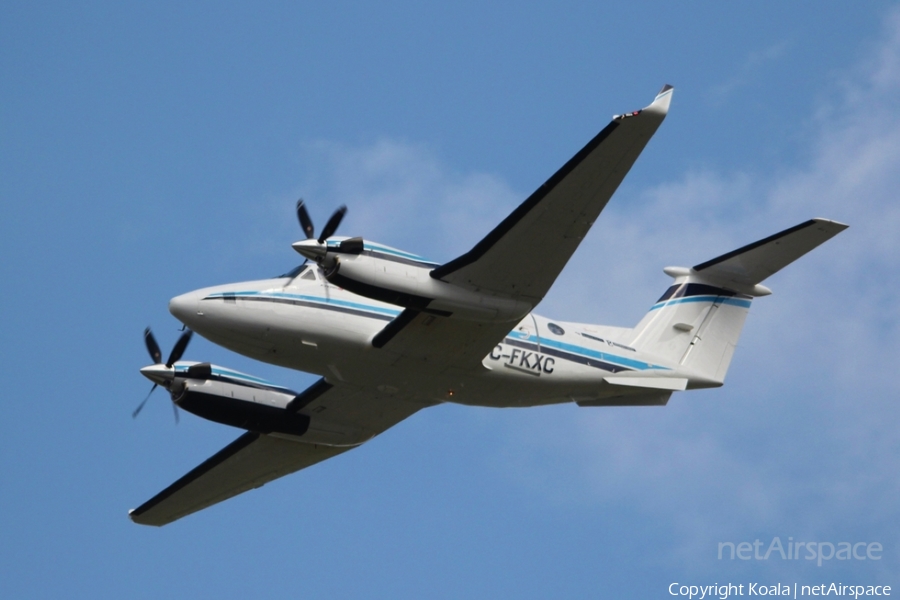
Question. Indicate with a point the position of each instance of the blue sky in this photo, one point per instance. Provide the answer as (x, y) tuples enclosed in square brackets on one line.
[(146, 151)]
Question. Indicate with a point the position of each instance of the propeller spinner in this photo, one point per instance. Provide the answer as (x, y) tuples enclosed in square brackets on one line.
[(159, 373), (315, 248)]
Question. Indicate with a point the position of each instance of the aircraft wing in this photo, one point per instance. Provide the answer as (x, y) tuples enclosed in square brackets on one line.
[(255, 459), (248, 462), (443, 342), (524, 254)]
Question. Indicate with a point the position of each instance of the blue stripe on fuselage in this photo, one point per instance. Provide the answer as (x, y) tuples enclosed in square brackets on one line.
[(587, 352), (741, 302), (320, 300), (323, 302)]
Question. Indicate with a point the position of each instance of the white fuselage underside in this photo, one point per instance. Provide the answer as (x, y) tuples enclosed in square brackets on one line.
[(306, 324)]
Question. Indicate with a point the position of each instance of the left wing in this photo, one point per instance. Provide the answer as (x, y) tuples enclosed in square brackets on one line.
[(248, 462), (340, 413), (524, 254)]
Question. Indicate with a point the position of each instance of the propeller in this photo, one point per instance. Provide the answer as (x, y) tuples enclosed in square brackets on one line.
[(306, 223), (313, 247), (332, 224), (156, 356)]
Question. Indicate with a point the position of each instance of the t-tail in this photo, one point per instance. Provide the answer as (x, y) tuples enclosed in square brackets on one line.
[(697, 321)]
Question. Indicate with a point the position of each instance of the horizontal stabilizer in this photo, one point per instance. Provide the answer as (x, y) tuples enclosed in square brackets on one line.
[(755, 262), (676, 384), (696, 323)]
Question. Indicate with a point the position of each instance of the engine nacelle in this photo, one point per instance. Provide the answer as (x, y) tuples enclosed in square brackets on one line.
[(232, 398), (374, 271)]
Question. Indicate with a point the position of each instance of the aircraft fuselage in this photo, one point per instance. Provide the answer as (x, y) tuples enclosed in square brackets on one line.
[(307, 324)]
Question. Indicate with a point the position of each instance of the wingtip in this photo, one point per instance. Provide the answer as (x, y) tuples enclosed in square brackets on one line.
[(836, 225), (662, 101), (659, 106)]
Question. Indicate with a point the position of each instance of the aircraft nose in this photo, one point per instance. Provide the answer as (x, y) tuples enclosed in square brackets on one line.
[(184, 307)]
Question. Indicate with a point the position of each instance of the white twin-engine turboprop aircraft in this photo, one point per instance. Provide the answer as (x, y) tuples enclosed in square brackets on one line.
[(391, 333)]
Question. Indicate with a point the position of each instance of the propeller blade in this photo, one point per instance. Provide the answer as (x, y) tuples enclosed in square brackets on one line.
[(141, 405), (179, 348), (306, 223), (175, 408), (152, 346), (332, 224)]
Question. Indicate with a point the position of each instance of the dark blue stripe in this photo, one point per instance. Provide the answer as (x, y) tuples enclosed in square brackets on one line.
[(685, 290), (591, 362), (322, 305)]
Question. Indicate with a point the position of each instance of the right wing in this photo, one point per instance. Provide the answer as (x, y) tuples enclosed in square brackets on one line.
[(524, 254), (343, 414)]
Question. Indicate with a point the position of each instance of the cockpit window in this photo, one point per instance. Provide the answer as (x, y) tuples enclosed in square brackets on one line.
[(294, 272), (309, 274)]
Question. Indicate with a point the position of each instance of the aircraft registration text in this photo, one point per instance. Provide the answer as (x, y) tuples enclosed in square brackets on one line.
[(533, 363)]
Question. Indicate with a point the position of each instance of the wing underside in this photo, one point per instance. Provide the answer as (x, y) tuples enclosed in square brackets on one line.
[(248, 462), (524, 254), (346, 415)]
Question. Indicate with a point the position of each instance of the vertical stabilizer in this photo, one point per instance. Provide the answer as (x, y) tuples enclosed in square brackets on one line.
[(698, 320)]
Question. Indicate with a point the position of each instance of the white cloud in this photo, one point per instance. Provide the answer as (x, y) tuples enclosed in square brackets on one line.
[(752, 64), (401, 195), (817, 448), (806, 443)]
